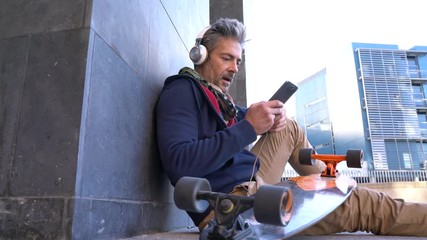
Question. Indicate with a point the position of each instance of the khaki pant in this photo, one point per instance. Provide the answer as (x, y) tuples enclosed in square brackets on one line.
[(365, 210)]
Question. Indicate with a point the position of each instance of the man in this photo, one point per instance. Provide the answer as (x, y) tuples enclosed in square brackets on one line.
[(201, 133)]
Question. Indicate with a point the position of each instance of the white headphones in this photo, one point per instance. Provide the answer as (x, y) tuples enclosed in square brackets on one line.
[(198, 52)]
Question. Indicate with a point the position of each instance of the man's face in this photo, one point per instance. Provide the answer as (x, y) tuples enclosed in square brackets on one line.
[(222, 64)]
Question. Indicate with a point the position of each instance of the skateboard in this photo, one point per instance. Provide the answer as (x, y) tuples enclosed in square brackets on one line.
[(275, 211)]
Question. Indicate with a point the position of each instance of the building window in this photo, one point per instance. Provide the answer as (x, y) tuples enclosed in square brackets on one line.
[(414, 70), (407, 161), (422, 120), (418, 95)]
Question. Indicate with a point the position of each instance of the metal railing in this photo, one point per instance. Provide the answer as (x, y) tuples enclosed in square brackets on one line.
[(376, 176)]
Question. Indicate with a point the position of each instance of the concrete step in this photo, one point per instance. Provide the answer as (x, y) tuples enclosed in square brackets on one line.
[(193, 234)]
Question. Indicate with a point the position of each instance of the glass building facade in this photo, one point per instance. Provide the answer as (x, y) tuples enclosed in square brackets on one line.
[(392, 92), (393, 88), (313, 112)]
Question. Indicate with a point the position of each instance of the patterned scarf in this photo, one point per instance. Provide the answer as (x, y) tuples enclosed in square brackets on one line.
[(226, 105)]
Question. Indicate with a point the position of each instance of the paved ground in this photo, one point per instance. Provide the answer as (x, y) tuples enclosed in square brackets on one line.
[(192, 234)]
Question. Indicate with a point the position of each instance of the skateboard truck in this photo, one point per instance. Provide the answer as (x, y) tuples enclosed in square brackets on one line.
[(272, 205), (227, 210), (354, 160)]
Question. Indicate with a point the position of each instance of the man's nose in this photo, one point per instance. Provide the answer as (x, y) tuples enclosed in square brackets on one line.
[(234, 67)]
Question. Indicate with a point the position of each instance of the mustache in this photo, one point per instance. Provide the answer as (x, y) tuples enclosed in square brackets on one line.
[(229, 76)]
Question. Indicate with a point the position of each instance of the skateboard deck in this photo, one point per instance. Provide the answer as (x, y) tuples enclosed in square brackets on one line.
[(275, 211), (314, 197)]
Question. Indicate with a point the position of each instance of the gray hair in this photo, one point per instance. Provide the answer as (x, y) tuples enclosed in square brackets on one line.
[(224, 27)]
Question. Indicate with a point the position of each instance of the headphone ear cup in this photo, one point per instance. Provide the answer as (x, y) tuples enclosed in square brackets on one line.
[(198, 54)]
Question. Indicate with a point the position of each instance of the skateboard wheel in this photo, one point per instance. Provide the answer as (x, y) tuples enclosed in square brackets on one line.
[(305, 156), (354, 158), (273, 205), (185, 194)]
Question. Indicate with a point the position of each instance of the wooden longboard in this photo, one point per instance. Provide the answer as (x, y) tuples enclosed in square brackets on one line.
[(314, 197), (273, 212)]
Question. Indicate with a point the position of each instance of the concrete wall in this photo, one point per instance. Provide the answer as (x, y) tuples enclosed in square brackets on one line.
[(43, 49), (409, 191), (79, 81)]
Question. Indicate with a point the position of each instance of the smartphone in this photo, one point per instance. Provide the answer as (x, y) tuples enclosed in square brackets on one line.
[(285, 92)]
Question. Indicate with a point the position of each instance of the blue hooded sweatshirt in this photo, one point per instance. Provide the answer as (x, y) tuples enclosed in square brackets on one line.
[(194, 140)]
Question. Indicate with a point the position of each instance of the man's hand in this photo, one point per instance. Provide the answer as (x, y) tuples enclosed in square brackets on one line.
[(265, 116), (279, 121)]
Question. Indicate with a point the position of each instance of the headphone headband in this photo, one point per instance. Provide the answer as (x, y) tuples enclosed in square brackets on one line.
[(202, 33)]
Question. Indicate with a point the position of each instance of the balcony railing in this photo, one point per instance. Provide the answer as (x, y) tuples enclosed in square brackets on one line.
[(376, 176)]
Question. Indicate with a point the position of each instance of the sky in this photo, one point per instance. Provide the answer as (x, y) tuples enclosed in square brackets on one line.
[(292, 40)]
